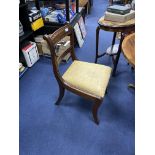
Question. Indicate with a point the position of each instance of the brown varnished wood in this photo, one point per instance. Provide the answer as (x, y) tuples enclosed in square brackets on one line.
[(61, 94), (52, 40), (95, 110), (128, 48)]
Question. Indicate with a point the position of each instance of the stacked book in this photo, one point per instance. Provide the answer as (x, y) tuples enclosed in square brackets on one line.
[(118, 13)]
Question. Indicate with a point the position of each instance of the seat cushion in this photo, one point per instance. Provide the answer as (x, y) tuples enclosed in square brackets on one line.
[(88, 77)]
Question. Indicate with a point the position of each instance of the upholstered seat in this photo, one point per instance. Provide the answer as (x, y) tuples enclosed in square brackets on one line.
[(88, 77)]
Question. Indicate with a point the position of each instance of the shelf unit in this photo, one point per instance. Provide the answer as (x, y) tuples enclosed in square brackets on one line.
[(50, 27), (28, 33), (22, 5), (67, 6)]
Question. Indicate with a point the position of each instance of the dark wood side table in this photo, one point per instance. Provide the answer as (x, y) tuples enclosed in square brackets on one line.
[(115, 27)]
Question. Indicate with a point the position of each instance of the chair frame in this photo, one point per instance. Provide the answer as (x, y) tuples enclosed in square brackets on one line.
[(52, 39)]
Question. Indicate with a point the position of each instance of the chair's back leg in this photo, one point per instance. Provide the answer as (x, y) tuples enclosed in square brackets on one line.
[(61, 94), (95, 110)]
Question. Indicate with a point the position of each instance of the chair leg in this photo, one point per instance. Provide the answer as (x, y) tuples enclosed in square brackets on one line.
[(95, 111), (61, 94), (106, 92)]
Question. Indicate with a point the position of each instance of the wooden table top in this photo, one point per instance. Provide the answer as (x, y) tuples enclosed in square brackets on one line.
[(128, 48), (116, 25)]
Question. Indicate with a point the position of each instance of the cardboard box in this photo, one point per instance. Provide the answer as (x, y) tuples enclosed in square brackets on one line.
[(62, 46)]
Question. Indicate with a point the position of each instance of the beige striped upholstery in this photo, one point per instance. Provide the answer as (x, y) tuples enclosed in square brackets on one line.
[(88, 77)]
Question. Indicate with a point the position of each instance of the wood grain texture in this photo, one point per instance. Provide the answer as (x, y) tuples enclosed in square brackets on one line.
[(128, 48)]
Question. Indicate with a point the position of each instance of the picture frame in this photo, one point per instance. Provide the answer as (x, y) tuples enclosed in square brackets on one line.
[(78, 35), (82, 27)]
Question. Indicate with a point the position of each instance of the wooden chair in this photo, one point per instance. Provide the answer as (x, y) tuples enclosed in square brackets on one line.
[(82, 78)]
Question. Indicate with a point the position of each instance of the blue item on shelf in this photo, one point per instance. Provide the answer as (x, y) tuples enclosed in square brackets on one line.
[(61, 18), (44, 11), (71, 12)]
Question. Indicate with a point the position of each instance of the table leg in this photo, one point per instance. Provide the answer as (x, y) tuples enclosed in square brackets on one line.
[(113, 41), (117, 56), (97, 42)]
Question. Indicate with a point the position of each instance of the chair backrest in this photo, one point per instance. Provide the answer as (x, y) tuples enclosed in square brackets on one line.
[(53, 40)]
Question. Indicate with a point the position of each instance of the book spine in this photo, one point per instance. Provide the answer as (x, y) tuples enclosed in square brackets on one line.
[(118, 11)]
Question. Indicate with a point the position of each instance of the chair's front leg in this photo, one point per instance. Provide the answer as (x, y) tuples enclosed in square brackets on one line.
[(95, 110)]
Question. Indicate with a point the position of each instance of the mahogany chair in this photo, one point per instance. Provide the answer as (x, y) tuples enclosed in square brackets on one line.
[(88, 80)]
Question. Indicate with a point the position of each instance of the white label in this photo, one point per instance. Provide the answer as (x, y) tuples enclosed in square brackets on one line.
[(66, 29)]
